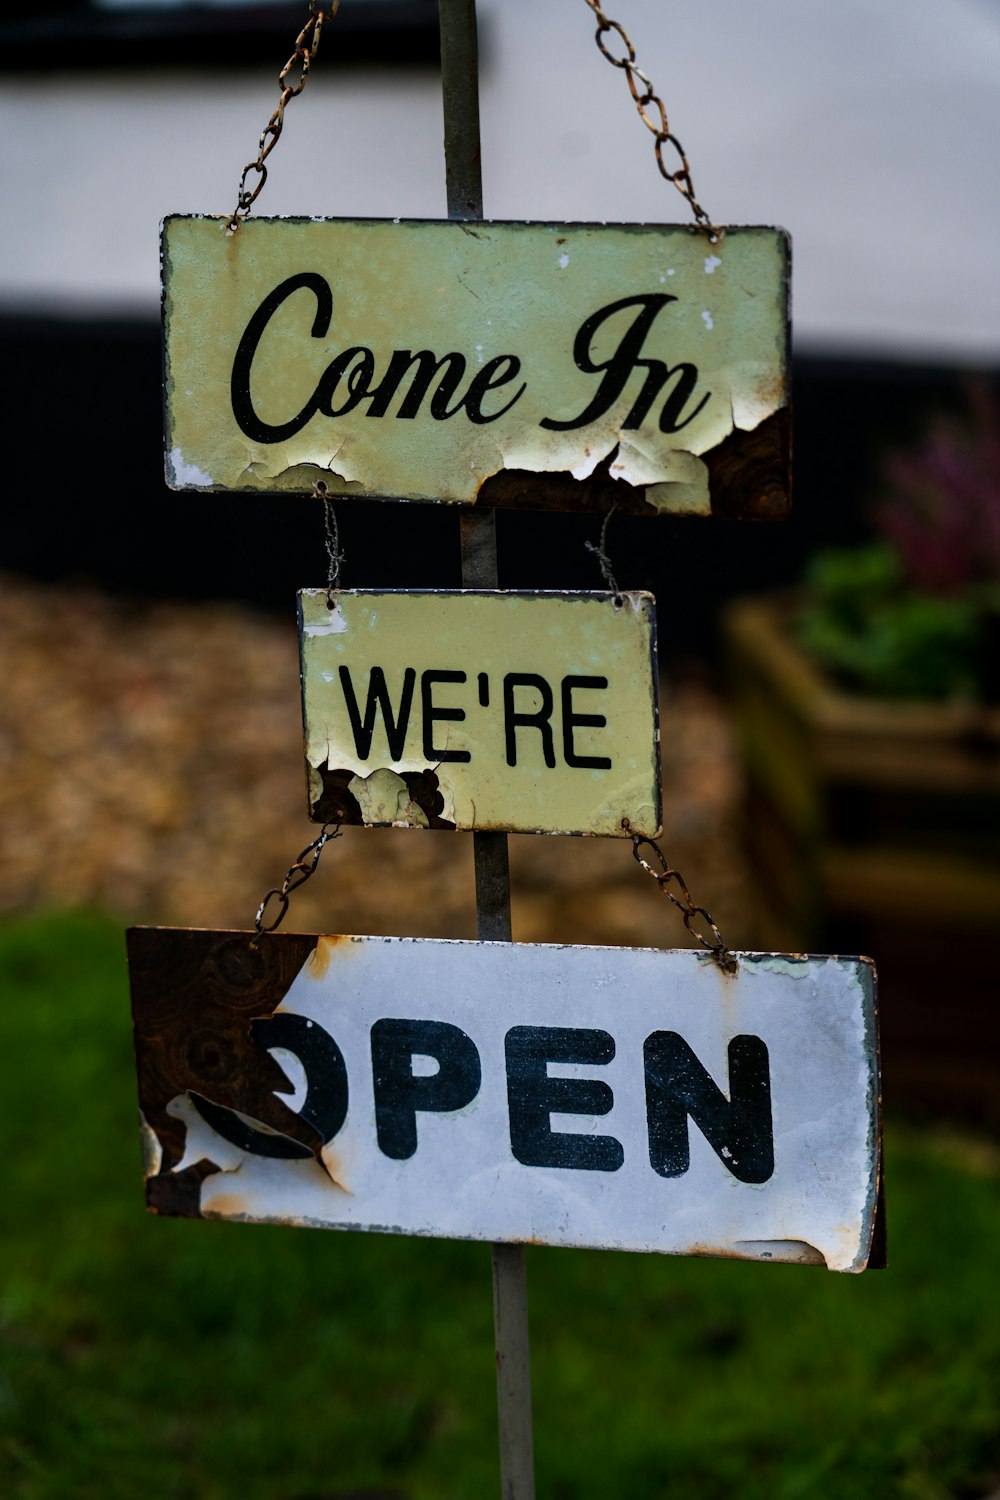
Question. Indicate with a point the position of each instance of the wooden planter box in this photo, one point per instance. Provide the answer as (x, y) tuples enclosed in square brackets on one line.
[(874, 827)]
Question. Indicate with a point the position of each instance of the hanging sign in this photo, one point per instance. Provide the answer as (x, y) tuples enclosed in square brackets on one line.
[(498, 363), (626, 1099), (534, 713)]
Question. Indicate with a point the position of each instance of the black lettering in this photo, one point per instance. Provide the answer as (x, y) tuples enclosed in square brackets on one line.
[(378, 698), (399, 1094), (673, 407), (427, 367), (739, 1130), (533, 1096), (358, 380), (239, 386), (622, 361), (570, 720), (357, 365), (431, 714), (325, 1106), (489, 378), (539, 720)]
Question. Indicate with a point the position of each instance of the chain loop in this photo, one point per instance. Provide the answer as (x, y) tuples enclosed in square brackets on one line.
[(297, 875), (306, 47), (657, 122), (688, 908)]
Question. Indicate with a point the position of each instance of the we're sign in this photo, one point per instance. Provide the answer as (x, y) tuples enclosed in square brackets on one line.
[(533, 713)]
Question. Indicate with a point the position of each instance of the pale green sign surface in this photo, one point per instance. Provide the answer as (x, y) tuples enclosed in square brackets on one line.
[(533, 713), (453, 362)]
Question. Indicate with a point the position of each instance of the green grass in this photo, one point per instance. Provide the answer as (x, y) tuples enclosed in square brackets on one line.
[(166, 1358)]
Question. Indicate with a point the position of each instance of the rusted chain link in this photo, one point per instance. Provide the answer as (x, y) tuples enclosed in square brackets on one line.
[(306, 47), (688, 909), (297, 875), (600, 551), (652, 112), (335, 558)]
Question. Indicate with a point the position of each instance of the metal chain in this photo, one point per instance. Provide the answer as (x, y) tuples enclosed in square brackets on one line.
[(306, 47), (599, 549), (688, 909), (335, 558), (653, 114), (297, 875)]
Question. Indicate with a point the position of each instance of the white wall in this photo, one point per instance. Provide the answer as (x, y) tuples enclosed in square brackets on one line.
[(868, 128)]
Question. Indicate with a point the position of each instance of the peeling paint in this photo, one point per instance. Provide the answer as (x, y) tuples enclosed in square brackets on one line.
[(201, 1142), (152, 1151), (796, 965), (182, 475), (436, 394), (384, 798), (334, 624)]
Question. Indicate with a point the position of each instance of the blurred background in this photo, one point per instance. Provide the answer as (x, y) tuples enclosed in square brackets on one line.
[(831, 745)]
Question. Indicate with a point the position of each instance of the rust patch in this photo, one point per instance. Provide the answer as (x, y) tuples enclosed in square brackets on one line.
[(194, 997), (226, 1206), (527, 489), (749, 479), (749, 472), (319, 960), (178, 1194), (712, 1252), (336, 804), (334, 1167)]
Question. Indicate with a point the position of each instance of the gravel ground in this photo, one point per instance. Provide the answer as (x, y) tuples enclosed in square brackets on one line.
[(151, 763)]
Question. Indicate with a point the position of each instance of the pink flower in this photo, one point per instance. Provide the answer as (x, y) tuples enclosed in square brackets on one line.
[(942, 508)]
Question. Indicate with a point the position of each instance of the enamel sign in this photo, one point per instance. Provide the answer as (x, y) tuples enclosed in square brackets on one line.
[(532, 713), (490, 362), (626, 1099)]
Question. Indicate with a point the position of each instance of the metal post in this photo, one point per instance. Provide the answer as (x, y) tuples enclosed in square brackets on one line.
[(464, 179)]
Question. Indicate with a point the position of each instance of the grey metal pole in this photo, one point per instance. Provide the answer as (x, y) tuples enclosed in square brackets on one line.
[(464, 180)]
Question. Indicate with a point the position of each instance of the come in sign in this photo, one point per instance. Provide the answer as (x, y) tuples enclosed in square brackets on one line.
[(498, 363)]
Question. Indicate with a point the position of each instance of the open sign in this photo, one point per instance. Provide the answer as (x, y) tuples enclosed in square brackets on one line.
[(631, 1099)]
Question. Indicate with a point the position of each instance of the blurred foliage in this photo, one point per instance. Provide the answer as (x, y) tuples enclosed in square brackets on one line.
[(210, 1360), (868, 625), (916, 614)]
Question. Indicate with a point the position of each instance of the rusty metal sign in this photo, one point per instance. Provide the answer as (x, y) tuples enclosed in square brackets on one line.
[(627, 1099), (567, 366), (532, 713)]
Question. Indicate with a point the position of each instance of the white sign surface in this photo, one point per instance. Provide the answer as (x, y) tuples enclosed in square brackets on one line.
[(633, 1099)]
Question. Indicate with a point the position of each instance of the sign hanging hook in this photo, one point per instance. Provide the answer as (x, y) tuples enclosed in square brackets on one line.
[(653, 114)]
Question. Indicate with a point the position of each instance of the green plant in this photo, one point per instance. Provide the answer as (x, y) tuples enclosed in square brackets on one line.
[(916, 614), (866, 623)]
